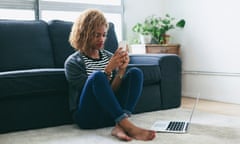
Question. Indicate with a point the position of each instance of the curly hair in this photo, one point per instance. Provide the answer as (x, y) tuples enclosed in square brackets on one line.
[(84, 27)]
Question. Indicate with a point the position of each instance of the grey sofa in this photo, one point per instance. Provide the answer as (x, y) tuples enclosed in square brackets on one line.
[(33, 88)]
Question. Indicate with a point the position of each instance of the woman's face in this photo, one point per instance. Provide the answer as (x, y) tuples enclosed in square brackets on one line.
[(99, 37)]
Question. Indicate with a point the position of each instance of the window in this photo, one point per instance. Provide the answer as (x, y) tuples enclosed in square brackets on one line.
[(17, 14), (70, 10), (98, 2), (17, 9), (67, 10)]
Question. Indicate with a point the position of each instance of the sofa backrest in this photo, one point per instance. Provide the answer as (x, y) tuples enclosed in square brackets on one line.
[(59, 31), (24, 45), (111, 43), (39, 44)]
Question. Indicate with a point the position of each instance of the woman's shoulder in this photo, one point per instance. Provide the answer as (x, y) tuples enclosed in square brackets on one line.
[(75, 57)]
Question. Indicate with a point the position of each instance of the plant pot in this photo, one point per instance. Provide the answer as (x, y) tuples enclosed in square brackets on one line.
[(166, 39), (145, 39), (138, 49)]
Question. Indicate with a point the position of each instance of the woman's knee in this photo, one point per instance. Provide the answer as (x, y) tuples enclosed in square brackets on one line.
[(136, 72), (98, 75)]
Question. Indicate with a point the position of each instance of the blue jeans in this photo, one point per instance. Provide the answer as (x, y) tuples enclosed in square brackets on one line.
[(100, 107)]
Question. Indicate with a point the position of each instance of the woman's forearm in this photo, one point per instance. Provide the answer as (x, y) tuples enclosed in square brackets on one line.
[(117, 80)]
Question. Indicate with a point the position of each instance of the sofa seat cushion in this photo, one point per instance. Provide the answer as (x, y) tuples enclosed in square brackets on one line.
[(25, 82), (151, 73), (24, 45)]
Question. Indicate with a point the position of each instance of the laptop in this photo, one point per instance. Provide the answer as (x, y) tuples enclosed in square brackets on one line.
[(174, 126)]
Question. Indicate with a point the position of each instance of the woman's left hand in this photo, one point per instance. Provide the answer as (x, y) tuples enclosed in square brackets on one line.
[(124, 59)]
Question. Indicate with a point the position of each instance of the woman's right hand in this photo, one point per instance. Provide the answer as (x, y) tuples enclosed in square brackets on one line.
[(117, 60)]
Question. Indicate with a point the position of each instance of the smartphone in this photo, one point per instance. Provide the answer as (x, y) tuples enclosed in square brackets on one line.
[(123, 45)]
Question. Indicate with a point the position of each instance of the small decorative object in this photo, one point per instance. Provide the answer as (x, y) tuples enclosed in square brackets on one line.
[(157, 27), (144, 39)]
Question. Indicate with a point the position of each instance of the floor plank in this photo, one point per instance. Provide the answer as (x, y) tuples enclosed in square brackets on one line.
[(212, 106)]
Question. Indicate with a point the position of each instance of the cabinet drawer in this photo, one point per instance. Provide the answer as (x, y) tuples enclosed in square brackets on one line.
[(173, 49)]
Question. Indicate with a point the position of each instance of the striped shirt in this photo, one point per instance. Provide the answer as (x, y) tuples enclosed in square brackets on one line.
[(96, 64)]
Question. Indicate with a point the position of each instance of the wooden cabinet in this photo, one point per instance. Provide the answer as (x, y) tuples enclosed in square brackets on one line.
[(168, 48)]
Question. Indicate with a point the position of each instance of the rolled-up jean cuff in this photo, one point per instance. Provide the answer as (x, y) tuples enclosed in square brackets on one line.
[(124, 115), (128, 113)]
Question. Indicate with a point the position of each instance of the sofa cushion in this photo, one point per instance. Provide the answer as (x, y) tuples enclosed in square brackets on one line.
[(59, 33), (111, 43), (25, 82), (24, 45)]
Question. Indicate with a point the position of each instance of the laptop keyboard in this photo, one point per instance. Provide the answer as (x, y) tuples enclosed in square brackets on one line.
[(175, 126)]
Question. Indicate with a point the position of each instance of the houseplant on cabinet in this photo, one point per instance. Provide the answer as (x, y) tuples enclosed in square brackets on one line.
[(157, 27)]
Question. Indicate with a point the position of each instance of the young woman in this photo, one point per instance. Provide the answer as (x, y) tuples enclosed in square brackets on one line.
[(102, 91)]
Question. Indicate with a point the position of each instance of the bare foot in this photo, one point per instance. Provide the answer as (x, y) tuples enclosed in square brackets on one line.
[(136, 132), (142, 134), (120, 134)]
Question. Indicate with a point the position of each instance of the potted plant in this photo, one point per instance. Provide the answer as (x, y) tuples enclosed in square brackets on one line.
[(143, 29), (157, 27)]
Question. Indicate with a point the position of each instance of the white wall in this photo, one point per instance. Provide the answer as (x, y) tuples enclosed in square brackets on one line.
[(209, 43)]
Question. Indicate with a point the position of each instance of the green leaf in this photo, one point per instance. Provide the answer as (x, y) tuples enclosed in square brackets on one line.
[(181, 23)]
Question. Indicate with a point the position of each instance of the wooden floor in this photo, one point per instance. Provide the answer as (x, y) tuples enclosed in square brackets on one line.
[(212, 106)]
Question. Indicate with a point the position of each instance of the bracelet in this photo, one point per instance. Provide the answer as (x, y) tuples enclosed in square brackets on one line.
[(107, 73), (120, 76)]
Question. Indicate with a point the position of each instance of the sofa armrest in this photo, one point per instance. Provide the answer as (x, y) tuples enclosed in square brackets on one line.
[(32, 81), (150, 58), (170, 70), (33, 98)]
